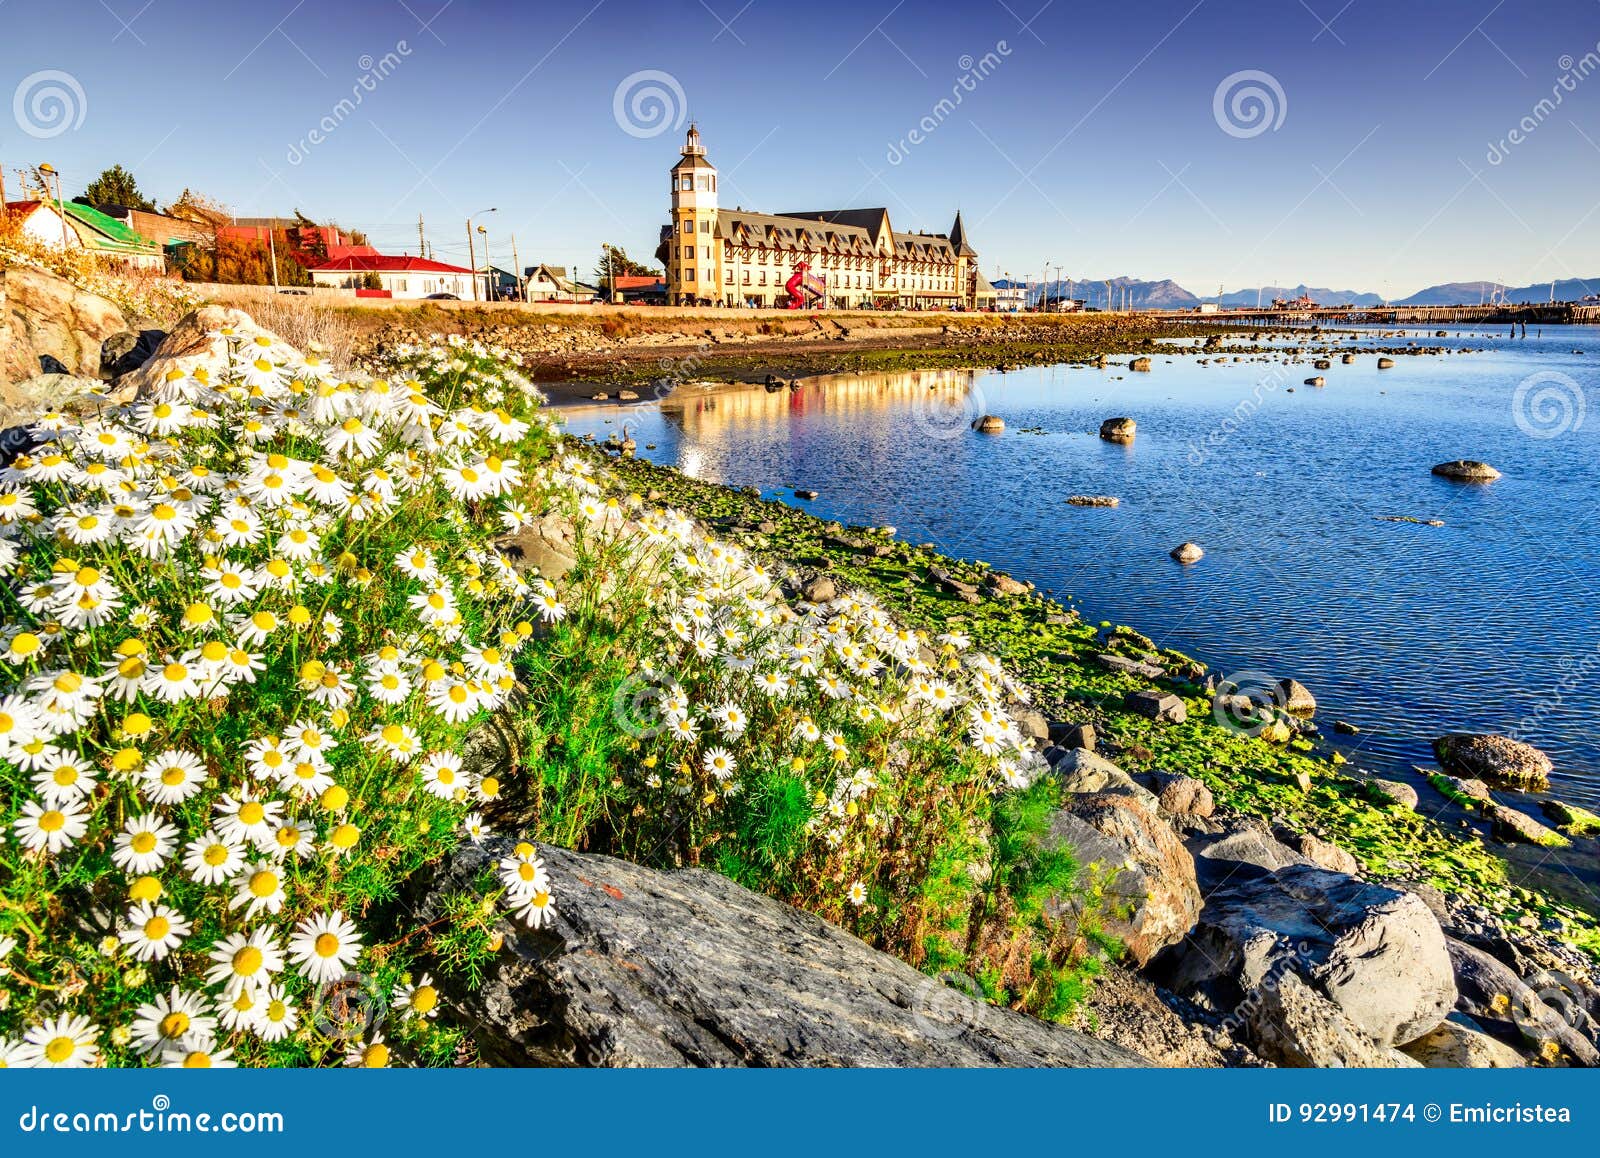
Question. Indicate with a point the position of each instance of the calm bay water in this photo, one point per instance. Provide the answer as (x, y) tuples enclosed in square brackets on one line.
[(1487, 623)]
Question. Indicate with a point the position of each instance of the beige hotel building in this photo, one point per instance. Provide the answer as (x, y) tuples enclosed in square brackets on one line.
[(855, 258)]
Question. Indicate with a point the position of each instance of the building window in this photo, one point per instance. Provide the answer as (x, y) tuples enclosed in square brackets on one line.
[(705, 184), (687, 183), (728, 278), (689, 273), (746, 277), (763, 279), (705, 226), (688, 226), (688, 253), (706, 252)]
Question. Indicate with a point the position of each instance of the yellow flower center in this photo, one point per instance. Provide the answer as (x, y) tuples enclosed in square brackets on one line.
[(247, 961), (424, 999), (251, 812), (60, 1049), (216, 854), (175, 1024), (157, 928), (52, 821), (326, 945), (263, 883), (143, 842)]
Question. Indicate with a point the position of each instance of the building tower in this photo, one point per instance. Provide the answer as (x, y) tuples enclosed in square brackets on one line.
[(694, 257)]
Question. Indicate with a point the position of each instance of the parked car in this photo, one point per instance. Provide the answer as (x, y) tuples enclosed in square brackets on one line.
[(441, 298)]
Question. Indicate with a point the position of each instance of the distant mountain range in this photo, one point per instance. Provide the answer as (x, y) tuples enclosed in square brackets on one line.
[(1166, 294)]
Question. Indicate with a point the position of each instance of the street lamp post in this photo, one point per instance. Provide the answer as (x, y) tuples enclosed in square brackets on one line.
[(49, 171), (488, 267), (472, 256)]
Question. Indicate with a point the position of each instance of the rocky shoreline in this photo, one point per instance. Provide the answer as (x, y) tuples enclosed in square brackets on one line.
[(1279, 908), (1271, 907)]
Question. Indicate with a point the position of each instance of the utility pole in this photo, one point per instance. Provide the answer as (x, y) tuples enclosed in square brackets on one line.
[(272, 250), (422, 241), (516, 269), (472, 260), (488, 267)]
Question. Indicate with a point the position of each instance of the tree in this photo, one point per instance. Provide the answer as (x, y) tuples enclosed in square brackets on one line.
[(615, 262), (197, 207), (116, 186), (372, 281)]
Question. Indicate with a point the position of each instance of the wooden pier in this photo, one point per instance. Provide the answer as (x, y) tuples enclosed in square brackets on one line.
[(1553, 314)]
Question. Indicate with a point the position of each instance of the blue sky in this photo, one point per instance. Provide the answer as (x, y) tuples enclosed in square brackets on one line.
[(1094, 142)]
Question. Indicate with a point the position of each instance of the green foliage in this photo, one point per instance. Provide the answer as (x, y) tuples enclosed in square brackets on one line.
[(116, 186)]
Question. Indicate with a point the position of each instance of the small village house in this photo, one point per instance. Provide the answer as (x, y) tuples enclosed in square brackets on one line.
[(74, 226), (551, 283), (397, 277)]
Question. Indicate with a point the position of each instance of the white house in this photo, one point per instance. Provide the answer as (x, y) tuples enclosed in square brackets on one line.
[(398, 277), (39, 222)]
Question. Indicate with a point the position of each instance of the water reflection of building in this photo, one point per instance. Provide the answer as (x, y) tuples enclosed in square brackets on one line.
[(939, 401)]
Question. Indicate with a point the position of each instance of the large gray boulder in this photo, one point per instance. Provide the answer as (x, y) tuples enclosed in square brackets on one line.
[(49, 325), (1375, 952), (1154, 881), (194, 340), (648, 968)]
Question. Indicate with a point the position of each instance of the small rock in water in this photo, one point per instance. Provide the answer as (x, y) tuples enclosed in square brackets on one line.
[(804, 494), (628, 395), (1319, 380), (1385, 363), (1187, 552), (1140, 364), (1093, 500), (1296, 697), (601, 397), (1498, 759), (989, 424), (1118, 429), (1466, 470)]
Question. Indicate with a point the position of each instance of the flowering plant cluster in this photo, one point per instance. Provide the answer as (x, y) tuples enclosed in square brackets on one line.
[(820, 751), (250, 620)]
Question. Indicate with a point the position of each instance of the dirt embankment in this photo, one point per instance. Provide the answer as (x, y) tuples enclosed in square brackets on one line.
[(577, 351)]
